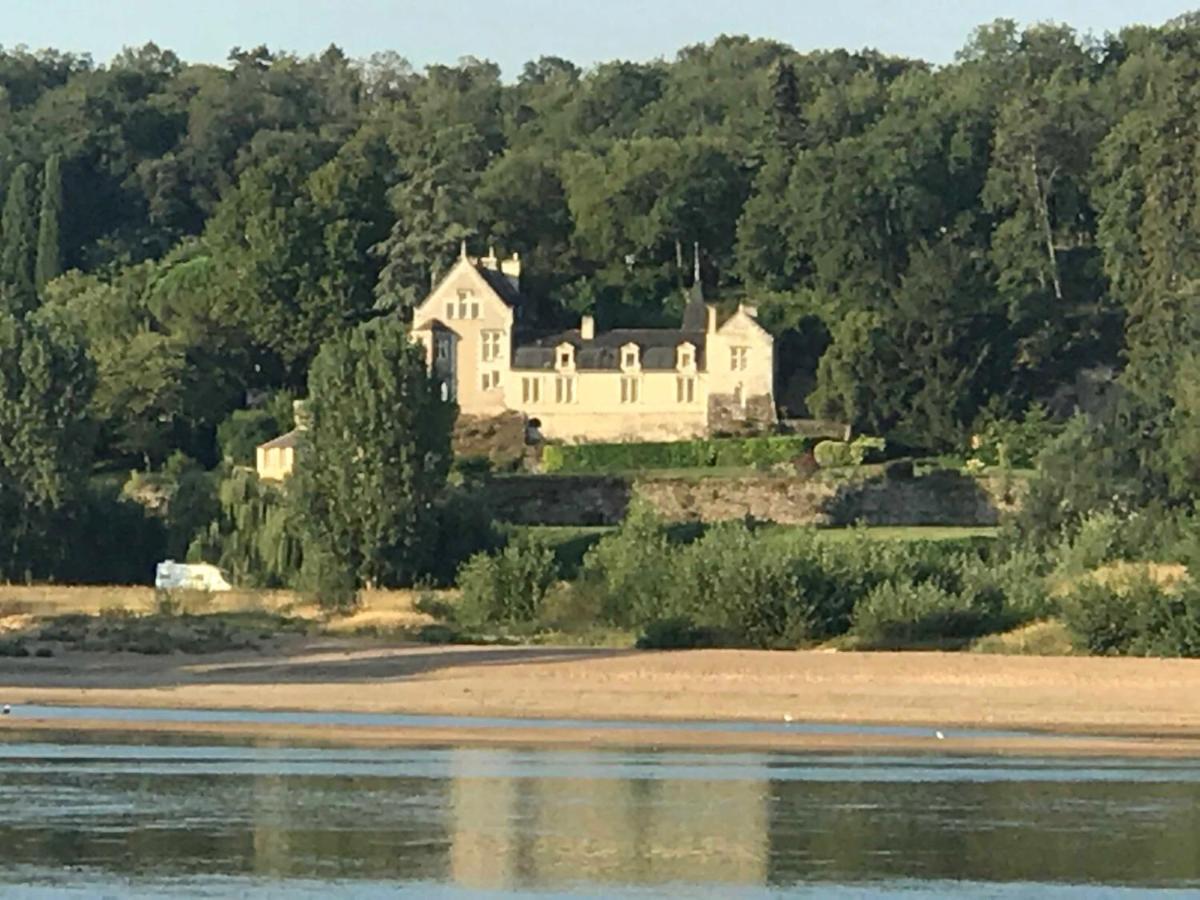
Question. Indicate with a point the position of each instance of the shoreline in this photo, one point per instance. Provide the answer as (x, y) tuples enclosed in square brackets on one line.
[(1062, 705), (610, 738)]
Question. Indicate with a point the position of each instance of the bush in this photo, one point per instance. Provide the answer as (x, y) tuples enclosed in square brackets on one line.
[(832, 454), (677, 633), (1013, 443), (1138, 617), (903, 613), (508, 587), (628, 570), (694, 454)]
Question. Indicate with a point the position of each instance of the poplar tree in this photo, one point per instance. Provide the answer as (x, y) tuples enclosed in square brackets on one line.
[(18, 229), (49, 248), (375, 458)]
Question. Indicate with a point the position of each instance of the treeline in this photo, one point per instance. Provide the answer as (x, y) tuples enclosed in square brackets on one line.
[(936, 248)]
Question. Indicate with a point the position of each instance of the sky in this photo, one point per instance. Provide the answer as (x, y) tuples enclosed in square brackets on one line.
[(511, 32)]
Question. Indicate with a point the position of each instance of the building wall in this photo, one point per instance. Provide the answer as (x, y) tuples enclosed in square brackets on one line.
[(597, 411), (274, 463), (491, 315)]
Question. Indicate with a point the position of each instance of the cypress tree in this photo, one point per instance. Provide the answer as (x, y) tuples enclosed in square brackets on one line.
[(49, 249), (18, 229)]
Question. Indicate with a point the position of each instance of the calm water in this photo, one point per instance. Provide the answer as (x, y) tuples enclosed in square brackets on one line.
[(123, 819)]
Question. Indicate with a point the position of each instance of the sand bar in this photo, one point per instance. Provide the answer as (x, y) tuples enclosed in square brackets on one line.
[(1144, 706)]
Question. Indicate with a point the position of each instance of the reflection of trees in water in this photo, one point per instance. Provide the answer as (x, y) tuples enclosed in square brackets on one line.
[(1001, 831), (512, 831)]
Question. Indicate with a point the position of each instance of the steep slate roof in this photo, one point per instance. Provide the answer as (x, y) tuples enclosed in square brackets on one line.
[(656, 347), (284, 441), (499, 283)]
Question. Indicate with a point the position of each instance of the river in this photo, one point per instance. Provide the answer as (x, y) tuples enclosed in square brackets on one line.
[(109, 817)]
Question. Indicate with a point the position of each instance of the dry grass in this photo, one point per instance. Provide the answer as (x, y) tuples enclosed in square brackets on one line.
[(1117, 575), (1048, 638), (379, 612)]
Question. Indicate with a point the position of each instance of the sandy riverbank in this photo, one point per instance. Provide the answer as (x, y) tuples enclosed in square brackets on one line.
[(1153, 705)]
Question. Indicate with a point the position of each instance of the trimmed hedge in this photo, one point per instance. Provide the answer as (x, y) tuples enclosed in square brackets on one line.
[(694, 454)]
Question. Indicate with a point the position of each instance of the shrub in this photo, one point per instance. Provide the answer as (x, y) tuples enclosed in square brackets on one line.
[(676, 633), (899, 470), (832, 454), (1013, 443), (899, 613), (628, 570), (1137, 617), (508, 587), (700, 453)]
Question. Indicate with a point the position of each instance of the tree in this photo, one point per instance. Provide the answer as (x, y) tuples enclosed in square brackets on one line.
[(49, 250), (18, 228), (45, 443), (375, 458)]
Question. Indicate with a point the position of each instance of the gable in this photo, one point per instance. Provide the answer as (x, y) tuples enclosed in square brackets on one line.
[(464, 282)]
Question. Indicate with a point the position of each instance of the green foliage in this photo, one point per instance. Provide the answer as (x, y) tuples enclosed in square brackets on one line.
[(629, 570), (508, 587), (241, 433), (1137, 617), (837, 454), (1013, 443), (908, 613), (18, 234), (678, 633), (48, 264), (375, 459), (693, 454)]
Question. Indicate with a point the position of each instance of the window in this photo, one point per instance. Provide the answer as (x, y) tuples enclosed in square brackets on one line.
[(630, 359), (443, 347), (490, 346), (564, 389), (685, 390), (629, 390), (564, 359), (737, 359), (685, 359), (491, 380), (474, 309), (450, 310), (531, 390), (468, 306)]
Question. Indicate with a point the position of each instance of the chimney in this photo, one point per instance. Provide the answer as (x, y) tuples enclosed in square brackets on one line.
[(511, 269), (712, 319), (751, 311), (300, 416), (490, 261), (587, 328)]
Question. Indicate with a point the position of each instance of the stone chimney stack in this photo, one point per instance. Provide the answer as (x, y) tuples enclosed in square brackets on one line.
[(511, 269), (587, 328), (300, 417), (490, 261), (712, 319)]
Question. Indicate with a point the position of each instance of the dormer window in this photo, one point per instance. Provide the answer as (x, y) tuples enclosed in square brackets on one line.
[(564, 357), (685, 357), (630, 357)]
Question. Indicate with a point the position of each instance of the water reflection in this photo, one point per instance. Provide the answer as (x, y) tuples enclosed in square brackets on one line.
[(604, 821)]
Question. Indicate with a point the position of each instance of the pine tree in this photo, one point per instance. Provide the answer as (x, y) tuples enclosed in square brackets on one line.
[(18, 229), (49, 249)]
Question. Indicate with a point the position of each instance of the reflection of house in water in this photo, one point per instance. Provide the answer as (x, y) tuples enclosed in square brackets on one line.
[(600, 827)]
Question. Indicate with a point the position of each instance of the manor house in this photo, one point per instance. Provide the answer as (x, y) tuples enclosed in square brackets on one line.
[(627, 384), (586, 385)]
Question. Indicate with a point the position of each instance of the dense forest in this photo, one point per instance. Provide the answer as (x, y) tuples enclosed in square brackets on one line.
[(934, 247)]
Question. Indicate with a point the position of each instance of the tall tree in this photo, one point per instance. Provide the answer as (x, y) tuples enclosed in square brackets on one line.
[(18, 229), (45, 442), (49, 248), (376, 456)]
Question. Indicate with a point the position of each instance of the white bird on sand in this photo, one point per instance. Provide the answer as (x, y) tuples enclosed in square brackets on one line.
[(787, 717), (939, 735)]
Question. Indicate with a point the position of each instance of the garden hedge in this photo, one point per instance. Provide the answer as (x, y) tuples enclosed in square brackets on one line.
[(694, 454)]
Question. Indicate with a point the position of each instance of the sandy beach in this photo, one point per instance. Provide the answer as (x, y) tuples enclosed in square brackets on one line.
[(1139, 706)]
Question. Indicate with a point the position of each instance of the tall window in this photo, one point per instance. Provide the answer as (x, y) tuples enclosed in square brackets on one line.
[(685, 390), (531, 390), (468, 306), (490, 346), (564, 389), (630, 359), (491, 380), (450, 310), (737, 358), (629, 389)]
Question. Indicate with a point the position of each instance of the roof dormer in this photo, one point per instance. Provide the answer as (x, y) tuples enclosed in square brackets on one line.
[(631, 358), (685, 357), (564, 357)]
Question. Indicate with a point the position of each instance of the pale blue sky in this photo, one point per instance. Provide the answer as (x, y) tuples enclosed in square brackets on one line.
[(513, 31)]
